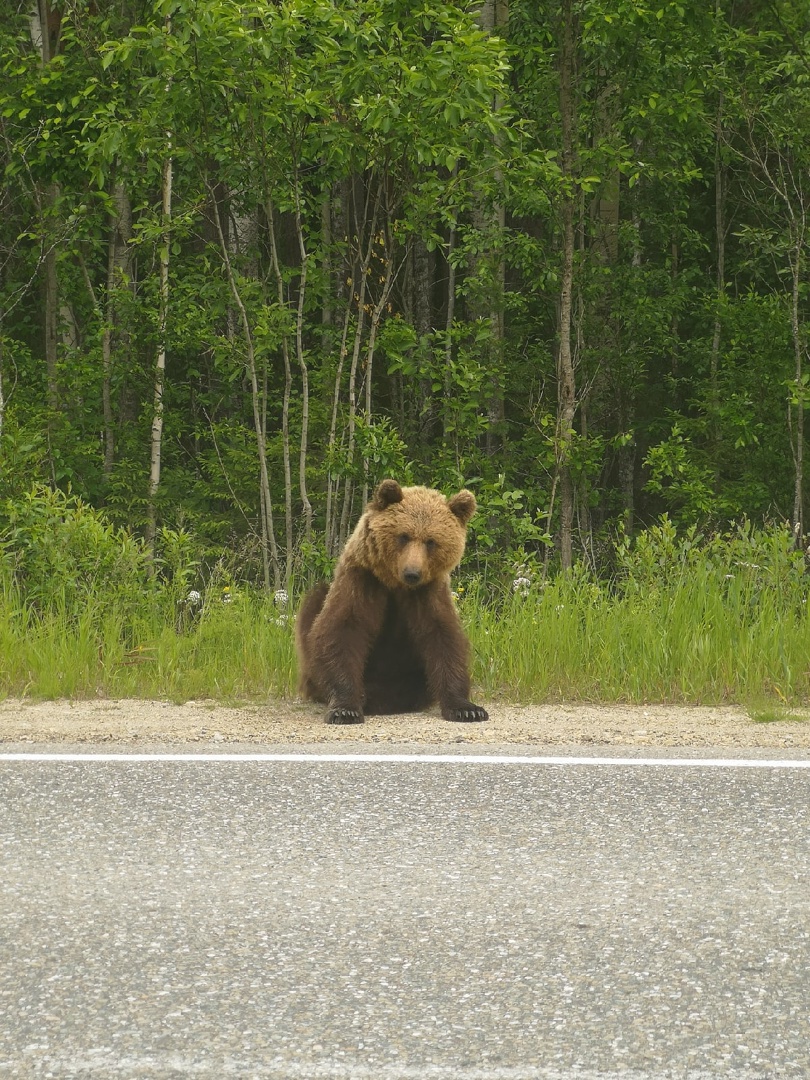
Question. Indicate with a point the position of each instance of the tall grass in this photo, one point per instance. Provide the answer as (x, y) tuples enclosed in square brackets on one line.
[(236, 651), (695, 641), (84, 612), (682, 618)]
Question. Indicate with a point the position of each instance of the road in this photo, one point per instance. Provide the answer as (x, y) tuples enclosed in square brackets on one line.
[(403, 920)]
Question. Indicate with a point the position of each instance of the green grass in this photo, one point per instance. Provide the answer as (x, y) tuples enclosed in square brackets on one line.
[(701, 638), (775, 714), (682, 620), (237, 651)]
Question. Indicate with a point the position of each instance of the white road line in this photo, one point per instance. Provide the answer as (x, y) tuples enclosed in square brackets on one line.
[(414, 759)]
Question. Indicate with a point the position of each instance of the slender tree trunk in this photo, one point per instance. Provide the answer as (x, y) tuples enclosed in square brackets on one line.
[(720, 286), (352, 417), (167, 178), (2, 395), (51, 326), (490, 220), (332, 491), (374, 325), (45, 37), (786, 178), (627, 403), (327, 308), (611, 374), (118, 269), (106, 364), (421, 281), (627, 471), (270, 559), (566, 372), (675, 328), (368, 221), (345, 285), (302, 364), (51, 311), (118, 264), (796, 333), (285, 402), (45, 23), (160, 361), (448, 343)]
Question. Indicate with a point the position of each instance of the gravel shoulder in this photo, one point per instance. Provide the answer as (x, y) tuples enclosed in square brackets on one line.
[(137, 722)]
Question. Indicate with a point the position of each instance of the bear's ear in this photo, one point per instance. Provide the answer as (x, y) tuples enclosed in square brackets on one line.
[(462, 505), (388, 492)]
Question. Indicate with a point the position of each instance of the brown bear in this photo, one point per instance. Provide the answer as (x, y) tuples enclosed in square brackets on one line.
[(384, 637)]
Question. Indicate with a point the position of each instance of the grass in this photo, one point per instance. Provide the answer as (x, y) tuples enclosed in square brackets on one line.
[(682, 620), (237, 651), (775, 714), (701, 638)]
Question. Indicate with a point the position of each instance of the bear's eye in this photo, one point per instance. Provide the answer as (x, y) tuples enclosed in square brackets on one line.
[(430, 545), (403, 539)]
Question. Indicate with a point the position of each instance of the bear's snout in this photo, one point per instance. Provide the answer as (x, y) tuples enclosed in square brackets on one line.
[(411, 576)]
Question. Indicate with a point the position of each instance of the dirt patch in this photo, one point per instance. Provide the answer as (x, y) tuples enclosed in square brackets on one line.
[(282, 722)]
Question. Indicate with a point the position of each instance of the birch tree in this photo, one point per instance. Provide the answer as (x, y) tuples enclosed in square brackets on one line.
[(164, 251)]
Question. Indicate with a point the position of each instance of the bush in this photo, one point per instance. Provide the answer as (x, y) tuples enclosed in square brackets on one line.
[(63, 554)]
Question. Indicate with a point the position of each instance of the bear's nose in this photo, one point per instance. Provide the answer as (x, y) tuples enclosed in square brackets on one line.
[(411, 577)]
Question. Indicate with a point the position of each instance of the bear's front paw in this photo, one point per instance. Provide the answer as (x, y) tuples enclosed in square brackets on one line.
[(466, 714), (343, 714)]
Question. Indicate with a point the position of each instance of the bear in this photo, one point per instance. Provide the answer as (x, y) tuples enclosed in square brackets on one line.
[(385, 637)]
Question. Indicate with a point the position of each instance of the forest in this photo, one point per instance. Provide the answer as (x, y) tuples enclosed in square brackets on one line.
[(256, 256)]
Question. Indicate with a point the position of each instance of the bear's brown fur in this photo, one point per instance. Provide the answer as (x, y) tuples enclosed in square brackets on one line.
[(384, 637)]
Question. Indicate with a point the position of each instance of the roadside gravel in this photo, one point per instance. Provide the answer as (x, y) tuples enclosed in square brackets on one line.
[(281, 722)]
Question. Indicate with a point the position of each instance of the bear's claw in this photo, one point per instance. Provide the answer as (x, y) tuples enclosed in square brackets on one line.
[(343, 715), (467, 714)]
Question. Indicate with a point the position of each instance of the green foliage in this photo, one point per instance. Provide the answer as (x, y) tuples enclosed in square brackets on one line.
[(348, 142), (742, 557), (179, 561), (685, 485), (61, 554), (775, 715), (688, 618), (505, 525), (381, 453)]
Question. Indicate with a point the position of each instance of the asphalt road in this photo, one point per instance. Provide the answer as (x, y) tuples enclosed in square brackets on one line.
[(298, 920)]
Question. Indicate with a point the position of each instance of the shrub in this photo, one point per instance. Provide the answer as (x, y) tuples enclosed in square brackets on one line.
[(63, 554)]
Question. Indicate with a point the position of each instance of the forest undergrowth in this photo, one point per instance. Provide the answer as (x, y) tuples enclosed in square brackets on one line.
[(678, 616)]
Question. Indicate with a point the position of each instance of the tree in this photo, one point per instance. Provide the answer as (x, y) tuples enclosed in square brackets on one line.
[(167, 175), (774, 116), (559, 256)]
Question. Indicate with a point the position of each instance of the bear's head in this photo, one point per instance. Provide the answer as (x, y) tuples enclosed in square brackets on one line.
[(414, 535)]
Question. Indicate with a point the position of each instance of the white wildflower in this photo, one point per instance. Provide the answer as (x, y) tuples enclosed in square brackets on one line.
[(522, 585)]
